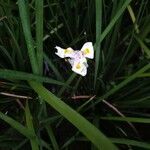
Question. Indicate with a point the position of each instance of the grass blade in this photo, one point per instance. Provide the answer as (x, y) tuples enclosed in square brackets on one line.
[(130, 10), (113, 21), (89, 130), (98, 4), (52, 137), (24, 15), (16, 125), (33, 141), (20, 145), (18, 75), (131, 142), (20, 59), (70, 79), (121, 85), (129, 119), (126, 81), (52, 66), (7, 56), (39, 33), (143, 46)]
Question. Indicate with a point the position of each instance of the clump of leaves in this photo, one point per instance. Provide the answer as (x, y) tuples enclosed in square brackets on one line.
[(109, 106)]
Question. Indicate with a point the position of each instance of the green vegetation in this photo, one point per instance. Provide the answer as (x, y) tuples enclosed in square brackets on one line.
[(44, 105)]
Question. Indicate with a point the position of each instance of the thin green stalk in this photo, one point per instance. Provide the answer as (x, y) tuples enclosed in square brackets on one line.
[(18, 147), (120, 85), (70, 140), (144, 75), (20, 59), (129, 119), (66, 22), (39, 33), (53, 67), (29, 122), (143, 46), (125, 82), (130, 142), (130, 10), (16, 125), (128, 80), (52, 137), (18, 75), (7, 56), (113, 21), (24, 15), (145, 31), (48, 127), (112, 37), (98, 4), (70, 79)]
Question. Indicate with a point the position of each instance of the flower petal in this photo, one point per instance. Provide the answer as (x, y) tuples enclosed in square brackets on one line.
[(88, 50), (69, 52), (71, 61), (80, 68), (62, 53)]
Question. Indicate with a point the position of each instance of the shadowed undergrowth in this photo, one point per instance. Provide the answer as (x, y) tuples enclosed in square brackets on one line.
[(44, 105)]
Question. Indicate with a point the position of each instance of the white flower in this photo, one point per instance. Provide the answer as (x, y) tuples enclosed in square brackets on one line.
[(88, 50), (64, 52), (77, 59)]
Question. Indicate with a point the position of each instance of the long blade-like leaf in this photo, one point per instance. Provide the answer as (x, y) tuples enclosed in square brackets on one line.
[(131, 142), (89, 130), (18, 75), (113, 21), (16, 125), (24, 15), (39, 34), (29, 122), (98, 4), (129, 119)]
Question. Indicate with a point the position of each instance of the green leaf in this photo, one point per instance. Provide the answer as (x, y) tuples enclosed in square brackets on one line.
[(16, 125), (20, 59), (29, 122), (123, 83), (98, 4), (18, 75), (128, 119), (119, 86), (52, 66), (68, 82), (113, 21), (52, 137), (89, 130), (130, 142), (24, 15), (39, 33), (143, 46)]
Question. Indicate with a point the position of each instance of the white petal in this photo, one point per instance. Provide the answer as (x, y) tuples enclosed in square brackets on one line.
[(71, 61), (81, 60), (69, 52), (84, 61), (88, 50), (60, 52), (79, 68)]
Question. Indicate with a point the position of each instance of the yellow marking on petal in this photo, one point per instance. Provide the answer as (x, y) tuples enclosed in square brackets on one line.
[(67, 51), (86, 51), (78, 66)]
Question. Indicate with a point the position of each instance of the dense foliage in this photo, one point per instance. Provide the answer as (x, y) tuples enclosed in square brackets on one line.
[(44, 105)]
